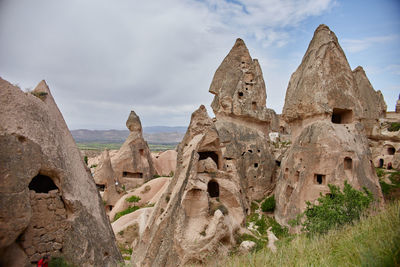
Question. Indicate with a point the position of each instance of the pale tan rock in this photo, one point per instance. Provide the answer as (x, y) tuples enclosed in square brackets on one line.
[(149, 193), (271, 240), (165, 162), (372, 102), (239, 90), (186, 224), (398, 105), (324, 153), (37, 146), (105, 176), (322, 85), (132, 164), (246, 246)]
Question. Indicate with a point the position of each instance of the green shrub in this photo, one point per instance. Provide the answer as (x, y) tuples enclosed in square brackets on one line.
[(269, 204), (261, 225), (93, 165), (124, 212), (380, 172), (336, 209), (394, 127), (133, 199), (85, 158), (156, 176)]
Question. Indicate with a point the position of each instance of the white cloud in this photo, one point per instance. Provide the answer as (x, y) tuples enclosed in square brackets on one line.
[(357, 45), (157, 57)]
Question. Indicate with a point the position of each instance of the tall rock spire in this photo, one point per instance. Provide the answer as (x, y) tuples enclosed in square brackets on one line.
[(323, 82), (239, 87)]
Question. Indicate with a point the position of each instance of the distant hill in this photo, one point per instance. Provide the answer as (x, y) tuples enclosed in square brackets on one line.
[(152, 134)]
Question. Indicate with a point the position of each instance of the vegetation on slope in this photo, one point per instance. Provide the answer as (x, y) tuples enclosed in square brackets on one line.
[(374, 241)]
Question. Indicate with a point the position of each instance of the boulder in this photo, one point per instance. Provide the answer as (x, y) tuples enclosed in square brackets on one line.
[(49, 201), (247, 246)]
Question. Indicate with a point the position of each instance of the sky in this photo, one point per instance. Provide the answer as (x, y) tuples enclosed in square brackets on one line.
[(103, 58)]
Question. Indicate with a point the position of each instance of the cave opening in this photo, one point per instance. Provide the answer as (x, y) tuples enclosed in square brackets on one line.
[(213, 189), (42, 184)]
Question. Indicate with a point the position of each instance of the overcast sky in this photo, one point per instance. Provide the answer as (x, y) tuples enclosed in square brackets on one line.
[(103, 58)]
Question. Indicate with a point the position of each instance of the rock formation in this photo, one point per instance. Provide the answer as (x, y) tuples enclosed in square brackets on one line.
[(324, 88), (239, 90), (323, 107), (398, 105), (49, 202), (372, 102), (106, 181), (165, 162), (223, 164), (133, 164)]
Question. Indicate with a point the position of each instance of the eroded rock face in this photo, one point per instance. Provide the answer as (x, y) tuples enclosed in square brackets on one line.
[(201, 208), (324, 153), (105, 180), (165, 162), (239, 88), (372, 102), (133, 164), (48, 198), (322, 85)]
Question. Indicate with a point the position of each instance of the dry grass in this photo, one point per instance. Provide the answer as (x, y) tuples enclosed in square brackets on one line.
[(374, 241)]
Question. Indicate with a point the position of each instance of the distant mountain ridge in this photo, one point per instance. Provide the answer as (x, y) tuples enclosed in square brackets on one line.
[(152, 134)]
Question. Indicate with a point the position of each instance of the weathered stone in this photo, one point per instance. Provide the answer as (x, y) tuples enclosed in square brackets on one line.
[(132, 164), (246, 246), (39, 147)]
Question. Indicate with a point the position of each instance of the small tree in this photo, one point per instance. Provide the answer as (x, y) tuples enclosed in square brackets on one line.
[(336, 208)]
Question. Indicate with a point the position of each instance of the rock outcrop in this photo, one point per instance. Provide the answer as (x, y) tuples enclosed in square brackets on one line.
[(165, 162), (49, 201), (326, 114), (324, 153), (106, 181), (223, 164), (239, 89), (372, 102), (133, 164)]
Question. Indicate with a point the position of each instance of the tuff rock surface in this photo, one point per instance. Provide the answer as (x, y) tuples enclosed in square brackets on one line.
[(328, 109), (49, 203), (132, 164)]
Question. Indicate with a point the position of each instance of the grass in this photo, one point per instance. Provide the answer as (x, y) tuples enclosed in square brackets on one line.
[(374, 241), (390, 191), (394, 127), (124, 212)]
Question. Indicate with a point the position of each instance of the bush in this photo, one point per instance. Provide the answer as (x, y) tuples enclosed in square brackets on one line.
[(124, 212), (394, 127), (133, 199), (269, 204), (85, 158), (336, 209)]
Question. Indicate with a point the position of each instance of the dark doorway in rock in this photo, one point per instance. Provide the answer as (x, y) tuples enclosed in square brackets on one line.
[(213, 189), (132, 174), (42, 184), (342, 116), (319, 178), (101, 187), (254, 105), (240, 94), (209, 154), (278, 163), (348, 163), (391, 150), (380, 163)]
